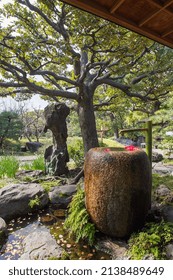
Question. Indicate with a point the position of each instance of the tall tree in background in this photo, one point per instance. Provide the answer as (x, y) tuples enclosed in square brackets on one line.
[(54, 50), (33, 124), (10, 126)]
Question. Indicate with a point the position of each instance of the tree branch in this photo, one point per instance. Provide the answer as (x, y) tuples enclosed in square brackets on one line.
[(106, 103), (54, 75)]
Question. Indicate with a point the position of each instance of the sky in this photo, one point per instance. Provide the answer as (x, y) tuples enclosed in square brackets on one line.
[(9, 103)]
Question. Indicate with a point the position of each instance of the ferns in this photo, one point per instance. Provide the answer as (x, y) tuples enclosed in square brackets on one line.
[(77, 221)]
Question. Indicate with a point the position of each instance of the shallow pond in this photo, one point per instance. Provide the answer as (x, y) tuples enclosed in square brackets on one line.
[(19, 228)]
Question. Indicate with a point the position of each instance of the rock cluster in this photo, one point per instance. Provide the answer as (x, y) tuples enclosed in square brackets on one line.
[(15, 202)]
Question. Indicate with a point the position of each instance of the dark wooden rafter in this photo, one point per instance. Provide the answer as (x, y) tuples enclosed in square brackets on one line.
[(151, 18), (160, 9), (116, 5)]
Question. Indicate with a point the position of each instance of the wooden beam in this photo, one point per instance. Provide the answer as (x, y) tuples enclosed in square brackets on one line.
[(166, 33), (165, 5), (116, 5), (160, 9), (98, 10)]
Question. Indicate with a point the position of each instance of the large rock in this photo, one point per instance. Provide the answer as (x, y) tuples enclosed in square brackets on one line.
[(3, 225), (33, 146), (117, 249), (169, 251), (3, 232), (160, 168), (56, 156), (14, 199), (162, 191), (118, 190), (40, 245), (61, 196), (167, 213), (156, 157)]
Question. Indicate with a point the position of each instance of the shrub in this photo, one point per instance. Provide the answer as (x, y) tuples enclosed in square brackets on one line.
[(34, 202), (37, 164), (8, 166), (78, 222), (151, 241), (158, 179), (76, 151)]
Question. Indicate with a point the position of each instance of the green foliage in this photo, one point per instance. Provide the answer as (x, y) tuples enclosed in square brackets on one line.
[(37, 164), (110, 143), (159, 180), (151, 241), (8, 166), (7, 181), (65, 256), (10, 126), (10, 147), (34, 202), (137, 70), (76, 151), (73, 124), (47, 185), (78, 222)]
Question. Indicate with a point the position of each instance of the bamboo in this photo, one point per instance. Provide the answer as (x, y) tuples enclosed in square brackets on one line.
[(149, 140)]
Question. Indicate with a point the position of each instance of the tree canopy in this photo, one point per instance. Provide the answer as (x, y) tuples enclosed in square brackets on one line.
[(10, 126), (57, 51)]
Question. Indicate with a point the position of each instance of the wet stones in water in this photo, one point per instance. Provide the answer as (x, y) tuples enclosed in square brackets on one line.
[(47, 219), (75, 250), (40, 245), (60, 213)]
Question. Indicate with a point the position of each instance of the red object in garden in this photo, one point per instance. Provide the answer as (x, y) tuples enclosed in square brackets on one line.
[(107, 150), (131, 148)]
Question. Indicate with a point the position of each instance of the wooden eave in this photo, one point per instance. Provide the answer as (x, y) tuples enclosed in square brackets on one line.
[(151, 18)]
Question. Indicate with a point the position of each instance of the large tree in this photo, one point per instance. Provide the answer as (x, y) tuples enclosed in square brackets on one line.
[(10, 126), (57, 51)]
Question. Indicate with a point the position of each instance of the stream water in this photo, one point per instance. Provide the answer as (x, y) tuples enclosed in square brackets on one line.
[(19, 228)]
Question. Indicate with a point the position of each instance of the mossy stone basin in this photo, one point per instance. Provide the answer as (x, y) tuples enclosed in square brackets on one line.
[(118, 189)]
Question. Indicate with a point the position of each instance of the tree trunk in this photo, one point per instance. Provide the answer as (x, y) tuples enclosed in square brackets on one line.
[(87, 123)]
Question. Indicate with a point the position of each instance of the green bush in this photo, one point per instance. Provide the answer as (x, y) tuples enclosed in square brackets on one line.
[(37, 164), (76, 151), (78, 222), (8, 166), (151, 241)]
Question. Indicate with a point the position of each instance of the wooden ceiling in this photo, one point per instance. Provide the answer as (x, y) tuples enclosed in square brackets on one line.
[(151, 18)]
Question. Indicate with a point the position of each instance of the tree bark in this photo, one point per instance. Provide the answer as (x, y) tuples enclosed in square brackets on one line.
[(87, 122)]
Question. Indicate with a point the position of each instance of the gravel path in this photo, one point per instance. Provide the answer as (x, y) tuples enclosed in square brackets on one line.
[(26, 158)]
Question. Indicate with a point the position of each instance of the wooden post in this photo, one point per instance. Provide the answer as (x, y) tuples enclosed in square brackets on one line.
[(148, 130), (149, 140)]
